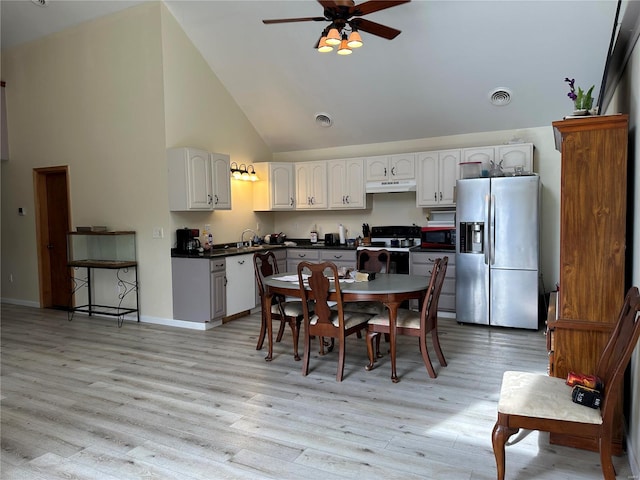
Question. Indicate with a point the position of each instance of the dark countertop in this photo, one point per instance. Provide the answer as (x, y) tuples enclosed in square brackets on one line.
[(228, 250)]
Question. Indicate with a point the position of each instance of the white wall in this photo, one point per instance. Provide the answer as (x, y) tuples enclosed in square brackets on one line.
[(107, 98)]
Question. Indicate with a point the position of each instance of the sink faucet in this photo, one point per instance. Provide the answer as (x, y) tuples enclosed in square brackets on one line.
[(251, 239)]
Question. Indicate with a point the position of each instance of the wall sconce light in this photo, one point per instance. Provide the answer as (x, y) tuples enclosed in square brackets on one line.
[(242, 172)]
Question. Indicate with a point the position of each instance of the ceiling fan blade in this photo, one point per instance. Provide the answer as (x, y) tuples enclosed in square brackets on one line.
[(374, 28), (287, 20), (328, 3), (375, 6)]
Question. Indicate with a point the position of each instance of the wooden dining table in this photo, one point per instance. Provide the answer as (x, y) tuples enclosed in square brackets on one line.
[(390, 289)]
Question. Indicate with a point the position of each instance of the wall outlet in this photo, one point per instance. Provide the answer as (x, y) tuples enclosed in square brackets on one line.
[(207, 228), (158, 232)]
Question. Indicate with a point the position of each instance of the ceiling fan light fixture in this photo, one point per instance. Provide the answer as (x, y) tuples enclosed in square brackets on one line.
[(333, 37), (344, 47), (355, 41), (323, 47)]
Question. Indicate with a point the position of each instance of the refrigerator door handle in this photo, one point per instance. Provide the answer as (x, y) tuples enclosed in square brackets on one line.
[(492, 232), (487, 209)]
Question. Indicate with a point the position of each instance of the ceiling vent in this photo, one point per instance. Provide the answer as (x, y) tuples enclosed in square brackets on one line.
[(324, 120), (40, 3), (500, 97)]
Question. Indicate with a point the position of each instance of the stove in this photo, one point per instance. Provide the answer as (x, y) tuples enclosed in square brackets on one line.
[(394, 238), (398, 240)]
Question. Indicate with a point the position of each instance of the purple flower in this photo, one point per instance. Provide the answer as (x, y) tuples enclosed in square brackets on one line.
[(572, 94)]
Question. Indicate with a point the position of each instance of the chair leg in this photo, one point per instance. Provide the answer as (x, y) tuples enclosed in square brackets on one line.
[(307, 349), (378, 354), (341, 356), (436, 345), (370, 352), (263, 332), (295, 334), (608, 470), (425, 357), (280, 331), (501, 434)]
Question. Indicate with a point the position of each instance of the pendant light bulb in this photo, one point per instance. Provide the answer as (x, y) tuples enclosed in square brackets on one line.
[(333, 37)]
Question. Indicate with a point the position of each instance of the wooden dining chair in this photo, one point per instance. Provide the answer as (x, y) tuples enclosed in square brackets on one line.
[(288, 312), (414, 323), (378, 261), (540, 402), (328, 318)]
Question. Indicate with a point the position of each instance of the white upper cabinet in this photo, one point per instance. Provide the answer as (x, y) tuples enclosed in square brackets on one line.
[(311, 185), (220, 166), (391, 167), (346, 183), (514, 158), (197, 178), (275, 189), (436, 179)]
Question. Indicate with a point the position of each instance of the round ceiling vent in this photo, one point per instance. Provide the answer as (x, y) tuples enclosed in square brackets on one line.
[(323, 119), (500, 97), (41, 3)]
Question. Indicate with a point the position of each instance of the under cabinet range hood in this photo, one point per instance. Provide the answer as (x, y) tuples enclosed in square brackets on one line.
[(390, 186)]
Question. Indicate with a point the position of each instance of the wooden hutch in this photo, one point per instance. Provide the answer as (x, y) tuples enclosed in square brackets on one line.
[(593, 200)]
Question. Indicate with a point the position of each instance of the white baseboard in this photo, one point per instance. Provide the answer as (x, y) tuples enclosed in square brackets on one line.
[(23, 303)]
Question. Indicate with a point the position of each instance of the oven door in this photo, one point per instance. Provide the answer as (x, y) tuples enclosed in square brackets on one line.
[(399, 262)]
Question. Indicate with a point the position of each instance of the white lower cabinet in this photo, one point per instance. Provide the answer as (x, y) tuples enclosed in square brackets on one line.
[(198, 289), (241, 284), (421, 263)]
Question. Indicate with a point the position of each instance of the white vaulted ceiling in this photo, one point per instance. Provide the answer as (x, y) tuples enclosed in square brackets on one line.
[(433, 80)]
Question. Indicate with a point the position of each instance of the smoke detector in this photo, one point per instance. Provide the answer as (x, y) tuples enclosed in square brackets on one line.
[(40, 3), (500, 96), (324, 120)]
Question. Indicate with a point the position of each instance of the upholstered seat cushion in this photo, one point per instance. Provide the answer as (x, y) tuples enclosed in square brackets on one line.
[(351, 319), (291, 309), (372, 308), (405, 318), (536, 395)]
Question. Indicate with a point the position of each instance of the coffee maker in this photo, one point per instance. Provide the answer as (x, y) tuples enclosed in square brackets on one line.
[(187, 240)]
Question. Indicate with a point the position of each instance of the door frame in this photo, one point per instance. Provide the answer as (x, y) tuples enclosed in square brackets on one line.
[(42, 227)]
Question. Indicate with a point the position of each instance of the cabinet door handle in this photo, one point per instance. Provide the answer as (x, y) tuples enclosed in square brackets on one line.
[(347, 198), (241, 262), (302, 255), (393, 171), (210, 200), (440, 195), (385, 171), (216, 199), (435, 196), (337, 256), (291, 201), (225, 280)]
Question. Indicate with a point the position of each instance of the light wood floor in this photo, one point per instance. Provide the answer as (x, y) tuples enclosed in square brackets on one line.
[(87, 400)]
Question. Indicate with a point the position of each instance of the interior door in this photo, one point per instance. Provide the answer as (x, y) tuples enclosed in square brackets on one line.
[(52, 224)]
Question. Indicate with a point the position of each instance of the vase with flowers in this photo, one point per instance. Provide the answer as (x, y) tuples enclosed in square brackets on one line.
[(582, 101)]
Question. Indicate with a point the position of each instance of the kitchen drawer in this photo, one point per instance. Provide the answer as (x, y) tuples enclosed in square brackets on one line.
[(297, 255), (341, 258)]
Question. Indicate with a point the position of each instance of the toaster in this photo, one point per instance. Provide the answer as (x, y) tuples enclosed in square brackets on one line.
[(331, 239)]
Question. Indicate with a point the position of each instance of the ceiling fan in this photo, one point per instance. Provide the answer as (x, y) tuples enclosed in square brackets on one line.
[(343, 13)]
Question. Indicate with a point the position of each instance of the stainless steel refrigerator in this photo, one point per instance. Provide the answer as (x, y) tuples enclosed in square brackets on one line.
[(497, 251)]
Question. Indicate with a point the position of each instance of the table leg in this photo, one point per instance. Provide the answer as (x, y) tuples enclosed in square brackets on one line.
[(266, 313), (393, 312)]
